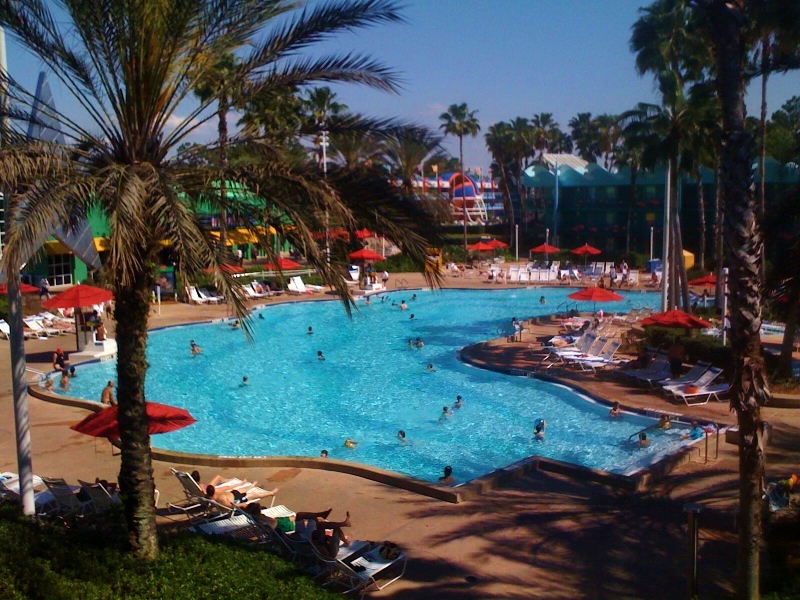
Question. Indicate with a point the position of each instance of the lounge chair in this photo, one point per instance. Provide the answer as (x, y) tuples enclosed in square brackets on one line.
[(196, 496), (5, 331), (251, 292), (38, 327), (602, 360), (658, 369), (695, 396), (690, 377), (67, 502), (194, 296), (99, 497), (213, 298), (44, 502), (368, 570)]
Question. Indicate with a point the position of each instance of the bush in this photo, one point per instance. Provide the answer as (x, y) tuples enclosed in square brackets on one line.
[(399, 263), (43, 560)]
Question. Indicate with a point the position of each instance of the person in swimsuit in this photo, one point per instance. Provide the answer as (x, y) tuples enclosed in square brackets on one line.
[(60, 361)]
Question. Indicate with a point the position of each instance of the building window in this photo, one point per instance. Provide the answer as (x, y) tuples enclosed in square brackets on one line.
[(59, 269)]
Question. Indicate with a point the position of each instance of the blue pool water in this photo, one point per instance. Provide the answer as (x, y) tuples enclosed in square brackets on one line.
[(372, 384)]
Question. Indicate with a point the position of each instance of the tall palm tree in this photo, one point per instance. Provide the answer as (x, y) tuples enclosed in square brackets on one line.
[(459, 121), (584, 135), (130, 65), (630, 155), (609, 138), (743, 243), (408, 149), (500, 142)]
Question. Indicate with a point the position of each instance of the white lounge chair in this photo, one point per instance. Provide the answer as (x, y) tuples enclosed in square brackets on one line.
[(602, 360), (194, 296), (691, 377), (101, 500), (213, 298), (5, 331), (370, 569), (37, 326), (694, 395)]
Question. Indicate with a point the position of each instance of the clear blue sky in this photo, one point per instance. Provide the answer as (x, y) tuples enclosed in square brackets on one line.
[(504, 58)]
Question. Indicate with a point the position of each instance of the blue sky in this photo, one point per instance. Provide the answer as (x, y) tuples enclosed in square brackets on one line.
[(504, 58)]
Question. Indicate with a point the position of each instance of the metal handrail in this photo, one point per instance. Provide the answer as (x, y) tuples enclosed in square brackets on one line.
[(41, 374)]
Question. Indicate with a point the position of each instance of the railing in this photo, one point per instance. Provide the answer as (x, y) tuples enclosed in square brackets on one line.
[(40, 375), (400, 284), (566, 306)]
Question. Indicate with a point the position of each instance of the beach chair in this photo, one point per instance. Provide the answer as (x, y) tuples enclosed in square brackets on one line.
[(697, 388), (213, 298), (658, 369), (601, 361), (37, 327), (690, 377), (370, 570), (695, 396), (194, 296), (251, 292), (513, 274), (44, 501), (524, 276), (67, 502), (99, 497), (5, 332)]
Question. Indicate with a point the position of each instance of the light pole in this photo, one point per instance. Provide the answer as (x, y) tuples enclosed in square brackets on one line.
[(651, 242), (324, 145), (516, 239)]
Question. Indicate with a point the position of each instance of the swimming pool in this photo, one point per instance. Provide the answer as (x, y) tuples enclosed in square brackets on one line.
[(372, 384)]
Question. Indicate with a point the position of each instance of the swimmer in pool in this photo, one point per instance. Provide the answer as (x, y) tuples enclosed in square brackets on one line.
[(310, 331), (194, 348), (413, 296), (403, 305), (245, 381), (446, 413), (430, 368), (323, 454), (320, 355), (401, 435), (643, 441), (448, 478), (538, 429), (459, 402), (614, 412), (419, 343), (348, 443), (260, 315), (235, 324), (663, 422)]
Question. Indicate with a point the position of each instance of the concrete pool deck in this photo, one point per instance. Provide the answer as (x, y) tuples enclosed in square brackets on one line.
[(542, 535)]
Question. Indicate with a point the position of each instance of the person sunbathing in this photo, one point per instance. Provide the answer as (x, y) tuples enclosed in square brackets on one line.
[(233, 498), (289, 524)]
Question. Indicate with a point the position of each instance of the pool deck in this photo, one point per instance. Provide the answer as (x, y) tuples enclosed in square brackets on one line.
[(541, 535)]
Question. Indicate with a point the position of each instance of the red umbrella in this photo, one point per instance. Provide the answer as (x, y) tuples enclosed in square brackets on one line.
[(709, 279), (363, 233), (480, 247), (364, 254), (545, 249), (677, 319), (496, 244), (161, 418), (78, 296), (596, 294), (284, 264), (23, 287), (586, 249)]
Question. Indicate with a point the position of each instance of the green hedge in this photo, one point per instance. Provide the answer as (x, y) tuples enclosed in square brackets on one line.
[(45, 561)]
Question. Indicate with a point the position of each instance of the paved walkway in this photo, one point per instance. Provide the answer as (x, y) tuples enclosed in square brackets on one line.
[(540, 536)]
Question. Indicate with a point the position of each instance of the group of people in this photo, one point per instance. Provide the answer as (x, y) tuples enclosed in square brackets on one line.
[(449, 411)]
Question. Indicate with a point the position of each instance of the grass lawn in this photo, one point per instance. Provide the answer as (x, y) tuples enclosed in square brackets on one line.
[(46, 560)]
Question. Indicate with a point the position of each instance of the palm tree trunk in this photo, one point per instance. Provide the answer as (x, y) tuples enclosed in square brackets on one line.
[(631, 202), (680, 281), (136, 471), (701, 206), (719, 290), (766, 52), (463, 191), (744, 246), (222, 140)]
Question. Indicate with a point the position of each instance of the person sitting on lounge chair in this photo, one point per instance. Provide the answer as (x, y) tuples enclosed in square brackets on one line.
[(231, 498)]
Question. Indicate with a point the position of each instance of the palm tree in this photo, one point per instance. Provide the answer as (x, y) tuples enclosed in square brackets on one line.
[(666, 42), (459, 121), (408, 149), (630, 155), (749, 391), (584, 135), (500, 142), (130, 65), (609, 138)]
